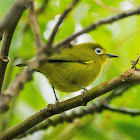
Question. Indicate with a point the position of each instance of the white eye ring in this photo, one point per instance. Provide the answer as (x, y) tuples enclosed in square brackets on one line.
[(98, 51)]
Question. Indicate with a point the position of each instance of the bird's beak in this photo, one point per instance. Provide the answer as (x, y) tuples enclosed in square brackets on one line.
[(111, 55)]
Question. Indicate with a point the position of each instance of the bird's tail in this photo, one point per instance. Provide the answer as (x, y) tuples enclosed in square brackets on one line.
[(26, 64), (22, 65)]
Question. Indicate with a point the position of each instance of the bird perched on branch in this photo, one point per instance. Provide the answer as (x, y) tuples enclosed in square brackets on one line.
[(76, 67)]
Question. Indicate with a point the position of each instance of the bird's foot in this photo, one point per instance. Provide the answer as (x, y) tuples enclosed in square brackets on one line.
[(84, 90), (83, 95), (56, 100)]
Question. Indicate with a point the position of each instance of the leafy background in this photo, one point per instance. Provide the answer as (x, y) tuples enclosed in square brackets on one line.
[(121, 38)]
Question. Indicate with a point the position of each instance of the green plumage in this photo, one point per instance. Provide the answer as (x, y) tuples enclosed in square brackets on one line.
[(79, 65)]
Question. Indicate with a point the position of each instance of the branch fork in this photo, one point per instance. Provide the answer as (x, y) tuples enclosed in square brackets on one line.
[(135, 62)]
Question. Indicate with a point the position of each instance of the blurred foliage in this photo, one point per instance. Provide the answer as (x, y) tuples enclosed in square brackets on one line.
[(121, 38)]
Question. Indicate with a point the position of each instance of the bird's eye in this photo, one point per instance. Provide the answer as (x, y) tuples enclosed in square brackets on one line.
[(98, 51)]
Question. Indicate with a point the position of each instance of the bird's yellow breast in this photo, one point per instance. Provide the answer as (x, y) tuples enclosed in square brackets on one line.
[(65, 76)]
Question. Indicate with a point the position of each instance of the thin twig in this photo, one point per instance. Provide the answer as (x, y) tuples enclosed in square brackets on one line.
[(42, 8), (60, 20), (124, 110), (110, 8), (134, 63), (38, 12), (34, 24), (99, 23)]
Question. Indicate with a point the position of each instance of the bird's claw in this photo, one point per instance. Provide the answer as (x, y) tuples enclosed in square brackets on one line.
[(83, 96)]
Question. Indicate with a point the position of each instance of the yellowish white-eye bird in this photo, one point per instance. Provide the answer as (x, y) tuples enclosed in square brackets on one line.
[(76, 67)]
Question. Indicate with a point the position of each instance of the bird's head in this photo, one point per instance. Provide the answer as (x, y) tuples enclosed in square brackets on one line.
[(100, 53)]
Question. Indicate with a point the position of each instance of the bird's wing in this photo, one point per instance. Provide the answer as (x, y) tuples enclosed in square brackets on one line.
[(66, 58), (62, 58)]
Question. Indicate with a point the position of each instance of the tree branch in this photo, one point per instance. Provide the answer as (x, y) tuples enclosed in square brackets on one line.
[(38, 12), (60, 20), (8, 74), (134, 63), (107, 7), (14, 89), (34, 24), (7, 37), (1, 34), (130, 76), (17, 11), (99, 23), (42, 8), (96, 107), (124, 110), (58, 119), (13, 15)]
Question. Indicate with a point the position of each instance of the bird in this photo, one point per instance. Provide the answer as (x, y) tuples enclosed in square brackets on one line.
[(74, 68)]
